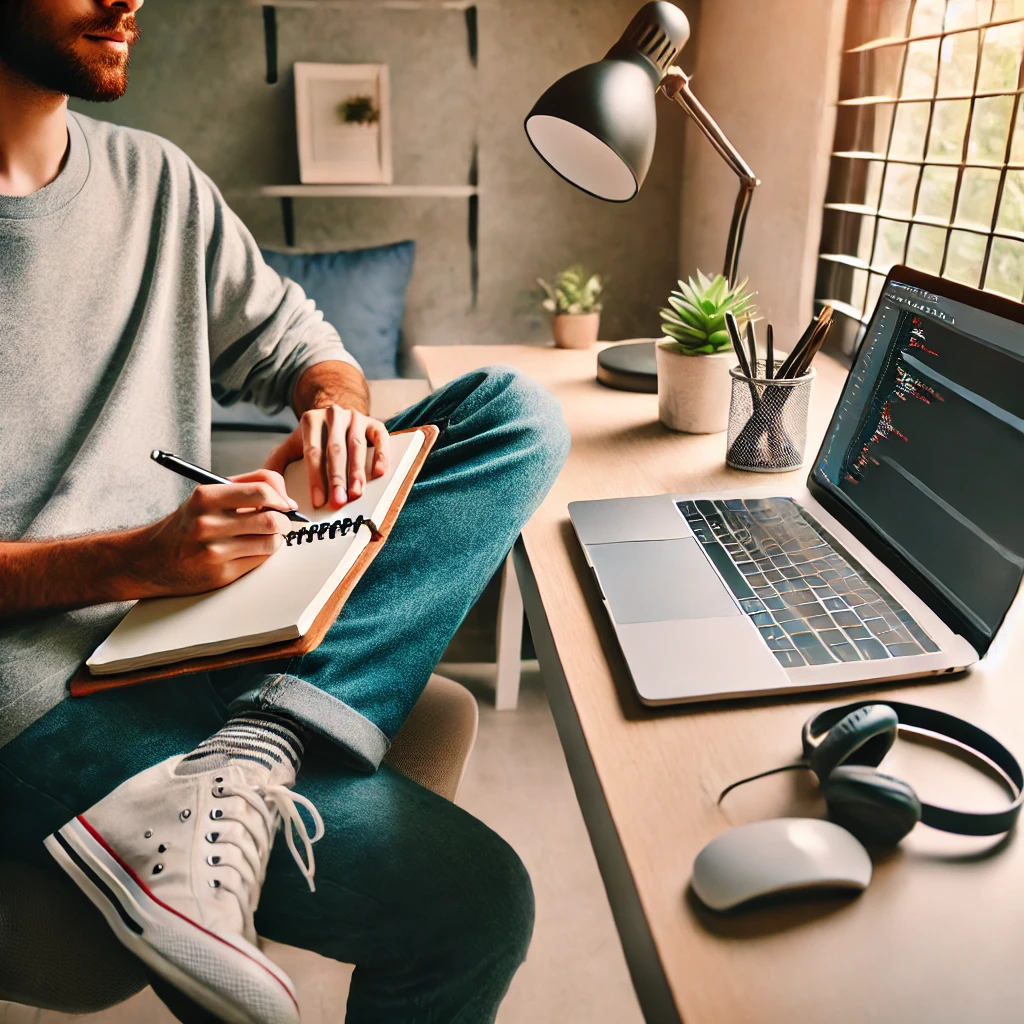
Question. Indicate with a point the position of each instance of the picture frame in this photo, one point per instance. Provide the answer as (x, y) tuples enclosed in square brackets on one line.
[(343, 122)]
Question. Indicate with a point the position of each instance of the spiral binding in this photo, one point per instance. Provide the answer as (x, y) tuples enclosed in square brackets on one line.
[(328, 530)]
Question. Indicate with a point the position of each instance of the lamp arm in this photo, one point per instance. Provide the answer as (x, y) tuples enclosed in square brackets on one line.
[(676, 86)]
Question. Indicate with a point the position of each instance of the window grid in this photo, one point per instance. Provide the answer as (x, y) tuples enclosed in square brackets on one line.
[(881, 44), (968, 151)]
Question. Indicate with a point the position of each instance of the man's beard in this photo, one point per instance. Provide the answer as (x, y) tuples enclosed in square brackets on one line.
[(28, 49)]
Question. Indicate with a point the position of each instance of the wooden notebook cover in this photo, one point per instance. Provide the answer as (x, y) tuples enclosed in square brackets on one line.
[(84, 683)]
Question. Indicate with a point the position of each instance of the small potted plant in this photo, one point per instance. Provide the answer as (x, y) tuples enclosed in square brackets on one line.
[(695, 355), (574, 301)]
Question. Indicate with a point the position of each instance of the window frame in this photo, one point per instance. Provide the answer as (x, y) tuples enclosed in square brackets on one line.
[(847, 276)]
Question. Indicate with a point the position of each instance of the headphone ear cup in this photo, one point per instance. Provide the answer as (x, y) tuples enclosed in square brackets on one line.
[(863, 737), (876, 808)]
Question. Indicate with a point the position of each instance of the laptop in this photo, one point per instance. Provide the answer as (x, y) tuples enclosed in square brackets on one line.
[(899, 557)]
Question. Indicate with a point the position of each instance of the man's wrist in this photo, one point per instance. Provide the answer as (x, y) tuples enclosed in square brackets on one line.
[(331, 383), (321, 399), (122, 560)]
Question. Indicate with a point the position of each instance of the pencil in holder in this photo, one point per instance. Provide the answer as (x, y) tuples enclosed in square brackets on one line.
[(768, 421)]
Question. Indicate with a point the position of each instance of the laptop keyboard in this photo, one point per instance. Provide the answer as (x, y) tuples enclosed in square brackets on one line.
[(812, 603)]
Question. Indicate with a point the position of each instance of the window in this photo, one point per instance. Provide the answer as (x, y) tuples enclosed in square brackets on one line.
[(928, 160)]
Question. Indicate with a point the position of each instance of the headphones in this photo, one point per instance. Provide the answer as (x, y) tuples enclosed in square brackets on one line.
[(843, 747)]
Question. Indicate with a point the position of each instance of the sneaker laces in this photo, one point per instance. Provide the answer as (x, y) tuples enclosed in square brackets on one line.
[(271, 802), (287, 805)]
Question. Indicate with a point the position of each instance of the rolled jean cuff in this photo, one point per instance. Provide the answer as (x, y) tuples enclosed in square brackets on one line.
[(322, 713)]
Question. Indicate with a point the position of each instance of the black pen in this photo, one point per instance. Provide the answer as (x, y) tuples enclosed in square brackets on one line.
[(752, 342), (737, 344), (204, 476)]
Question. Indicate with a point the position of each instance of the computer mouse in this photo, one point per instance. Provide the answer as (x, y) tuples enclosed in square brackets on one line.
[(778, 855)]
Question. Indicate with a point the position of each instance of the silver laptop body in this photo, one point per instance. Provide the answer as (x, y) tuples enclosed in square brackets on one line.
[(885, 565)]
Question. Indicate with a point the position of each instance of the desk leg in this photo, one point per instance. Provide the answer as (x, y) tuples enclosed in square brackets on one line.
[(510, 639)]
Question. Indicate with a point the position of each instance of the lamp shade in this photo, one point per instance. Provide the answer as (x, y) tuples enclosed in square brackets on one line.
[(596, 126)]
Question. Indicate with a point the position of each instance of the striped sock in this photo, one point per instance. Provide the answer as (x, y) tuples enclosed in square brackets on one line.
[(265, 738)]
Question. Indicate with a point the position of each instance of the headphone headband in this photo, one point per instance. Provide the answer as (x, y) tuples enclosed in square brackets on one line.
[(970, 823)]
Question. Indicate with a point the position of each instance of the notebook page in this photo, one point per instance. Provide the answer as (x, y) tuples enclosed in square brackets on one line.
[(278, 600)]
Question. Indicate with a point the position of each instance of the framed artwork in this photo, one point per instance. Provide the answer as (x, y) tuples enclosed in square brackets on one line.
[(344, 124)]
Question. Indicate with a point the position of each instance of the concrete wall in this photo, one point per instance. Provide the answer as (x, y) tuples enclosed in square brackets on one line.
[(198, 79), (768, 72)]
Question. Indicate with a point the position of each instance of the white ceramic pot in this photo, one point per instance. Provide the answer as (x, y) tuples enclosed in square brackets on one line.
[(693, 391), (575, 330)]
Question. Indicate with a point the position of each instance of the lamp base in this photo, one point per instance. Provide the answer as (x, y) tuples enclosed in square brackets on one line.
[(630, 367)]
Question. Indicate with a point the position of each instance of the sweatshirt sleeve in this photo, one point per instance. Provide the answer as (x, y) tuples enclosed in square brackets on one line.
[(264, 332)]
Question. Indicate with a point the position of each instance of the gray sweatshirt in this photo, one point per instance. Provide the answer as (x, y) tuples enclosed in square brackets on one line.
[(127, 290)]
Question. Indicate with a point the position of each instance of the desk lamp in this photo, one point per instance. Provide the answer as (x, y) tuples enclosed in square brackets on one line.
[(596, 126)]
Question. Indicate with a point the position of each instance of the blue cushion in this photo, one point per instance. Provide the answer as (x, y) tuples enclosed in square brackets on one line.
[(361, 293)]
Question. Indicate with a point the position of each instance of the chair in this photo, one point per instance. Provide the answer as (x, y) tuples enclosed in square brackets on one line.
[(56, 951)]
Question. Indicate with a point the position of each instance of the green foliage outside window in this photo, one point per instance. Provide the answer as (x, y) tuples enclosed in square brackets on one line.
[(936, 126)]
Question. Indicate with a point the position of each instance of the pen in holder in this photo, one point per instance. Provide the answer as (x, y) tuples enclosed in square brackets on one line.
[(768, 420)]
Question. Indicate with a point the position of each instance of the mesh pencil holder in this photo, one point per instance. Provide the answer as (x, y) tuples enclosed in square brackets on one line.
[(768, 421)]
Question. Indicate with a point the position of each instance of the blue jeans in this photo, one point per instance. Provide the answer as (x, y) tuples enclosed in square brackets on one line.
[(434, 909)]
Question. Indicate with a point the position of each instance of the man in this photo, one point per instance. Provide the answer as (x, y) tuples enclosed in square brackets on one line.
[(126, 287)]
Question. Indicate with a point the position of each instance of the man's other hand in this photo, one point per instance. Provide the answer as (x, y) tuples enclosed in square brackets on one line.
[(220, 533), (332, 442)]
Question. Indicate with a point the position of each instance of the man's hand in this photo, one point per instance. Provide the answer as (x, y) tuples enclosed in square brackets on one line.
[(220, 533), (333, 441), (332, 401)]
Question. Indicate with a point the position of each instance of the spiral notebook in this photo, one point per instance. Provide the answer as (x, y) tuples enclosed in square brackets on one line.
[(280, 609)]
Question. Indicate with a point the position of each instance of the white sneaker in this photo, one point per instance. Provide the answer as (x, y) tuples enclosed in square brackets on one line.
[(175, 863)]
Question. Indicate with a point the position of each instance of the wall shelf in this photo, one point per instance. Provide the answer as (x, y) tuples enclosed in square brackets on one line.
[(393, 5), (287, 194), (359, 191)]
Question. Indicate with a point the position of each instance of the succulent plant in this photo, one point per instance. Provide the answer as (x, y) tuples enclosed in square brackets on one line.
[(574, 291), (695, 320)]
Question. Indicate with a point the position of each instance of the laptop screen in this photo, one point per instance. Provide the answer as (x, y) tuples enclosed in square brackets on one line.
[(927, 446)]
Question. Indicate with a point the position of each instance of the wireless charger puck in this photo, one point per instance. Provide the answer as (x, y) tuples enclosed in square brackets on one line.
[(629, 367)]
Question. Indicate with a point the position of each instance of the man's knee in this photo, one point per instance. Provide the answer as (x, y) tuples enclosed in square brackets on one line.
[(488, 920), (508, 922), (520, 402)]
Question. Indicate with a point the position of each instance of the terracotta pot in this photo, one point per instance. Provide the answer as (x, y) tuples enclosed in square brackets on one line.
[(575, 330), (693, 391)]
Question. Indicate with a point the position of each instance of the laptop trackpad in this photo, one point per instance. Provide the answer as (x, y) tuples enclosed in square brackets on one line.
[(699, 660), (659, 581)]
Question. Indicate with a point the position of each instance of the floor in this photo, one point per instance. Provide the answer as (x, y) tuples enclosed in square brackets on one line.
[(518, 784)]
